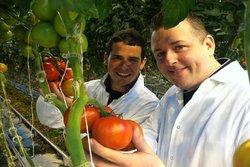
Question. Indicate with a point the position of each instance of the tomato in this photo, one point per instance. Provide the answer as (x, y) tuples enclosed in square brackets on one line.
[(68, 74), (51, 72), (3, 67), (110, 110), (44, 34), (67, 87), (112, 132), (131, 145), (61, 64), (89, 112), (43, 10), (241, 156)]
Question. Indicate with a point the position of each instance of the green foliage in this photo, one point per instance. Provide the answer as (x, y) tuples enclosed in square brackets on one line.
[(176, 11)]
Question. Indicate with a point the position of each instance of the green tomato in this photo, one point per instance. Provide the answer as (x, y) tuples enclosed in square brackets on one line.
[(44, 34)]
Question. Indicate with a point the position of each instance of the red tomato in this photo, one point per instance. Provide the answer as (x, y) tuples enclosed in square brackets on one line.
[(51, 72), (131, 145), (61, 64), (91, 113), (108, 109), (68, 74), (112, 132)]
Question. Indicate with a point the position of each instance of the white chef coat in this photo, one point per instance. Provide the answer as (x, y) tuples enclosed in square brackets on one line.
[(208, 129), (136, 104)]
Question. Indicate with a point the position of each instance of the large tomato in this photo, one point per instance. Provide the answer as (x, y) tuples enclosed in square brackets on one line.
[(51, 72), (112, 132), (131, 145), (44, 34), (91, 113), (67, 87)]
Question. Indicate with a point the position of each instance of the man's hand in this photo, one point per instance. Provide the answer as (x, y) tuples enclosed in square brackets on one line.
[(143, 157), (54, 89)]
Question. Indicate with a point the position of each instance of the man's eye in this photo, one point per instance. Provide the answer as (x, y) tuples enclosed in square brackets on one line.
[(179, 47), (134, 60), (161, 54)]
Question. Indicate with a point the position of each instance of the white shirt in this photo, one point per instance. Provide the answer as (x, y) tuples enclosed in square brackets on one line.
[(136, 104), (209, 128)]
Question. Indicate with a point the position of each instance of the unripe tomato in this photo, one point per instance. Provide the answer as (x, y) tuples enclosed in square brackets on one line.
[(91, 113), (51, 72), (67, 87), (3, 67), (43, 10), (44, 34), (112, 132)]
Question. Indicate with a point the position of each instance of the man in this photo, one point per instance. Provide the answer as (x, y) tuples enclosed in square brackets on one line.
[(122, 88), (203, 117)]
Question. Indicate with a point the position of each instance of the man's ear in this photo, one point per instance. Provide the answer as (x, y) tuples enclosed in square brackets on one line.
[(210, 44), (143, 62), (105, 58)]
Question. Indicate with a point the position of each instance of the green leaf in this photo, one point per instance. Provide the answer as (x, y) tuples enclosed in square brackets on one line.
[(85, 7), (175, 11), (103, 7)]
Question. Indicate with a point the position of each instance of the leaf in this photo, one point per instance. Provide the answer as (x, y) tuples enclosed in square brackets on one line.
[(175, 11), (103, 7), (85, 7)]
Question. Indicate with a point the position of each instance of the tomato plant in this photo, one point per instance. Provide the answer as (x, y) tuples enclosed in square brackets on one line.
[(90, 112), (112, 132), (51, 72)]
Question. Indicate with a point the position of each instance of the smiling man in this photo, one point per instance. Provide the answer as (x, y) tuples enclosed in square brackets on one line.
[(121, 88), (203, 118)]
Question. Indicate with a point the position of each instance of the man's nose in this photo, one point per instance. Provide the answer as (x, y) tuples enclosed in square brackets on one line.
[(170, 57)]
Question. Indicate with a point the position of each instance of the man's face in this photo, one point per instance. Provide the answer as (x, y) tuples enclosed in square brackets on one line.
[(124, 65), (181, 56)]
